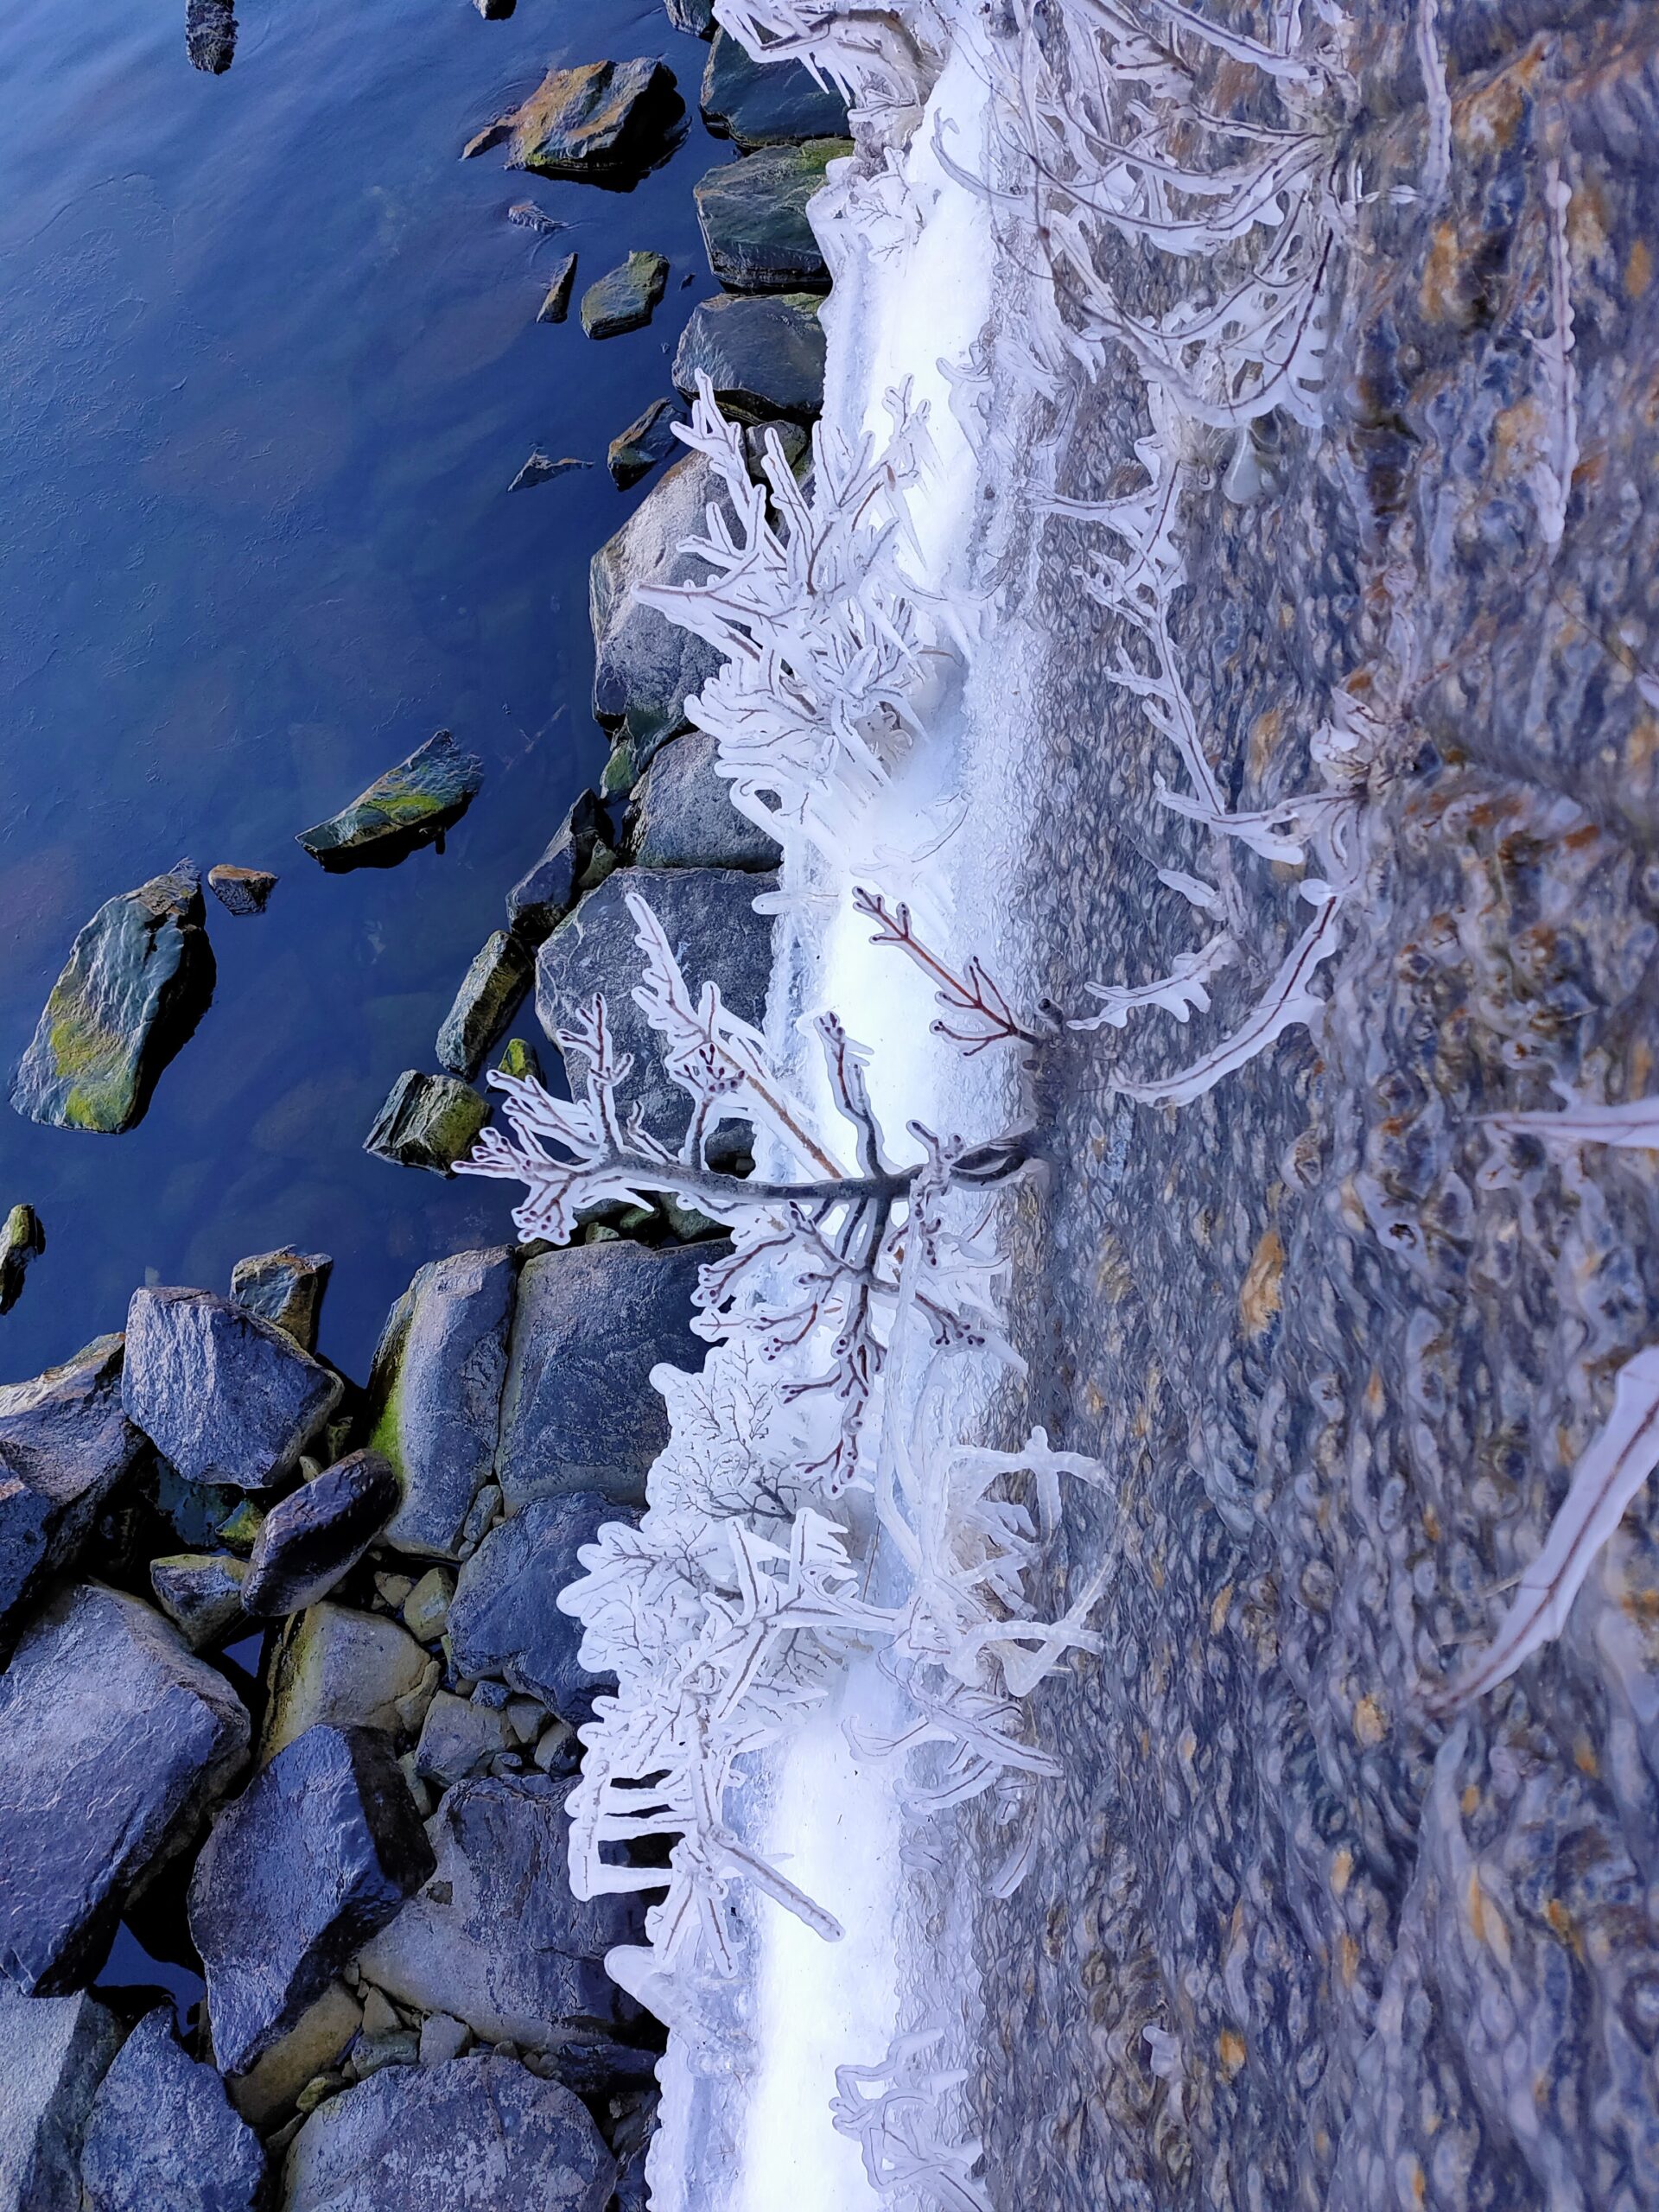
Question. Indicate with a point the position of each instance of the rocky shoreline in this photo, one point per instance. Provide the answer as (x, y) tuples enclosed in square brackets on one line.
[(285, 1691)]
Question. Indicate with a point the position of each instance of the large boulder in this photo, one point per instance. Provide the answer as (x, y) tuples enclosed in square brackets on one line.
[(436, 1392), (317, 1533), (224, 1397), (476, 2134), (709, 917), (492, 986), (766, 103), (52, 2054), (317, 1854), (753, 215), (762, 352), (139, 977), (495, 1937), (646, 667), (412, 804), (162, 2133), (578, 1412), (504, 1622), (284, 1287), (682, 815), (347, 1669), (65, 1446), (604, 119), (114, 1741)]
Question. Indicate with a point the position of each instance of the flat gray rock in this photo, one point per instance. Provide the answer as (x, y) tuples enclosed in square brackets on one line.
[(504, 1619), (495, 1938), (317, 1854), (476, 2134), (114, 1741), (766, 103), (682, 815), (52, 2054), (317, 1533), (603, 118), (139, 977), (490, 991), (412, 804), (578, 1412), (65, 1446), (435, 1393), (284, 1287), (163, 2136), (710, 919), (763, 354), (753, 215), (646, 667), (224, 1397)]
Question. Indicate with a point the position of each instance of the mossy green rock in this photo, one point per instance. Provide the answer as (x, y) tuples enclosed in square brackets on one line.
[(601, 118), (490, 991), (519, 1058), (754, 218), (428, 1121), (21, 1240), (625, 298), (139, 977), (412, 804)]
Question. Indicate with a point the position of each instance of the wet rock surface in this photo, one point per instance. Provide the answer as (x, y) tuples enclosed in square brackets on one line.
[(22, 1240), (487, 1000), (428, 1121), (505, 1621), (225, 1396), (284, 1287), (763, 355), (139, 977), (495, 1938), (344, 1668), (766, 103), (710, 919), (556, 301), (625, 298), (410, 806), (65, 1448), (578, 1412), (241, 891), (114, 1742), (163, 2132), (601, 120), (648, 440), (317, 1854), (575, 855), (52, 2054), (310, 1538), (753, 215), (683, 817), (478, 2134)]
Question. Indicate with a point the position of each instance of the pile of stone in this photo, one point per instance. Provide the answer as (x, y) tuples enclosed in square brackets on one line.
[(287, 1691)]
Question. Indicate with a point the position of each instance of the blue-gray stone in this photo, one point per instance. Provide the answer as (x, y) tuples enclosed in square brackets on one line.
[(284, 1287), (52, 2053), (682, 815), (317, 1854), (625, 298), (645, 667), (428, 1121), (163, 2137), (766, 103), (113, 1743), (503, 1618), (412, 804), (201, 1593), (224, 1397), (476, 2134), (753, 215), (315, 1534), (544, 894), (762, 352), (485, 1002), (649, 439)]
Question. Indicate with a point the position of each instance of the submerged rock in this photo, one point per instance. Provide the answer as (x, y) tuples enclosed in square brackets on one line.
[(201, 1593), (225, 1396), (284, 1287), (525, 215), (21, 1239), (763, 352), (210, 35), (626, 298), (347, 1670), (316, 1855), (428, 1121), (766, 103), (434, 1392), (53, 2052), (113, 1742), (753, 214), (578, 1412), (139, 977), (317, 1533), (410, 806), (545, 894), (476, 2134), (495, 1937), (604, 119), (710, 919), (65, 1445), (490, 991), (556, 304), (540, 468), (504, 1622), (649, 439), (683, 816), (241, 890), (163, 2134), (644, 666)]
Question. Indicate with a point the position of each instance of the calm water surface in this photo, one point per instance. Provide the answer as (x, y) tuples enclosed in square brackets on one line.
[(268, 361)]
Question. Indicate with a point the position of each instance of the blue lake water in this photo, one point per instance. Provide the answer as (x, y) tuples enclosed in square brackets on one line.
[(268, 361)]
